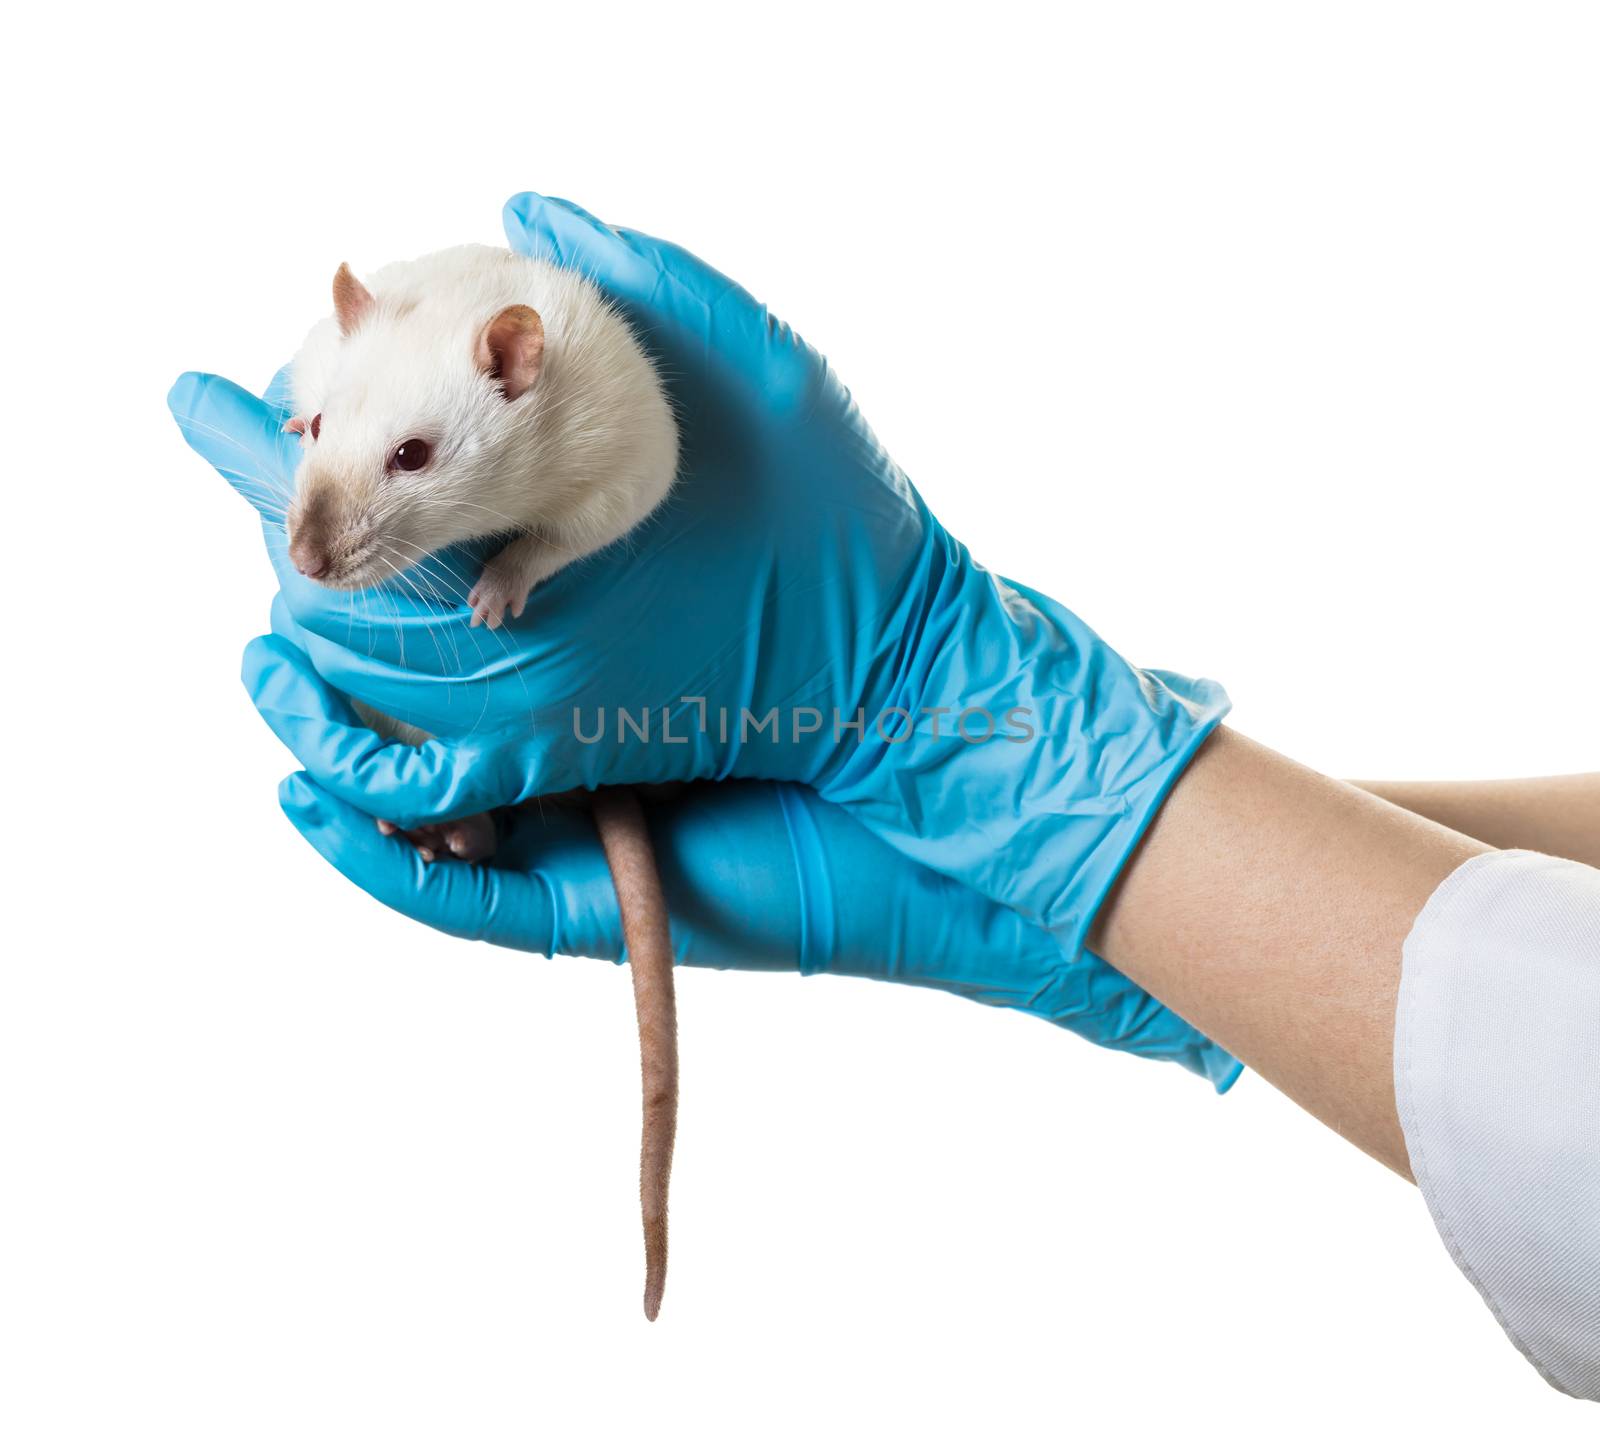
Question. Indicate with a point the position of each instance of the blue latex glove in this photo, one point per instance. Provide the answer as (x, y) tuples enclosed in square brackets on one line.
[(758, 875), (794, 572)]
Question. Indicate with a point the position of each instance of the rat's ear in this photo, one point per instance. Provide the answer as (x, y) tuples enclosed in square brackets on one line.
[(511, 348), (352, 301)]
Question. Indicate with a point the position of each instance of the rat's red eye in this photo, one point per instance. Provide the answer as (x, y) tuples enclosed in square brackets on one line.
[(316, 425), (412, 455)]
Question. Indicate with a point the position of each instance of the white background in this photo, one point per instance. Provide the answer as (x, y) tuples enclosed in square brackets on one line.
[(1265, 336)]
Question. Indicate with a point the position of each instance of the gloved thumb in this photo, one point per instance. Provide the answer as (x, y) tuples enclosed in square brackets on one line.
[(409, 785)]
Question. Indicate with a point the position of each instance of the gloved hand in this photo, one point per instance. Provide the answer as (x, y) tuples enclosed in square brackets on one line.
[(793, 589), (757, 875)]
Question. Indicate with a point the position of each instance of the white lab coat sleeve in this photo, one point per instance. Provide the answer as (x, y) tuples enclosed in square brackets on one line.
[(1497, 1078)]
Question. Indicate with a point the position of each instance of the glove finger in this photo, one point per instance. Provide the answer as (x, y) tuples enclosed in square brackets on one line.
[(474, 902), (284, 624), (409, 785), (280, 677), (241, 435)]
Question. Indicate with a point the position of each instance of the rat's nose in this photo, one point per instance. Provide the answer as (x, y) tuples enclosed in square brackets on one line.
[(309, 558)]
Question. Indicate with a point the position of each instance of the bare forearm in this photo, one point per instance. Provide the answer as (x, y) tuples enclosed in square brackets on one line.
[(1559, 815), (1268, 905)]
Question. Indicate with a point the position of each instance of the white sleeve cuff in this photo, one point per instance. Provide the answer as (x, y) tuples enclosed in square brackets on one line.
[(1497, 1078)]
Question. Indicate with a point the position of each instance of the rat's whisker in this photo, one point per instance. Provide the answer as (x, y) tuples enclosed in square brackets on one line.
[(432, 609), (424, 563), (451, 580), (206, 428), (379, 594), (275, 514), (520, 527), (249, 483)]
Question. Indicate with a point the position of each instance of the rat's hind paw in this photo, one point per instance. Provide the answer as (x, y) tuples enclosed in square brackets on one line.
[(471, 839)]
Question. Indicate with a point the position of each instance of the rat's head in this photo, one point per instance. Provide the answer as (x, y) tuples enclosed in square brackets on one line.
[(418, 422)]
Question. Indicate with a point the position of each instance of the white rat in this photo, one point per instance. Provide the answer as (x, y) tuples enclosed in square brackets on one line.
[(475, 393)]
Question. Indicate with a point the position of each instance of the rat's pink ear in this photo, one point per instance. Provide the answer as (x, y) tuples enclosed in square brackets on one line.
[(352, 301), (296, 425), (511, 348)]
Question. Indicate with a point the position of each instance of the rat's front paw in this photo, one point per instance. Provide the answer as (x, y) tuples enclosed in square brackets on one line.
[(508, 577), (496, 593)]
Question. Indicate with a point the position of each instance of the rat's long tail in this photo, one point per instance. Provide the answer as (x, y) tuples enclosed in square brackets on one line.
[(626, 840)]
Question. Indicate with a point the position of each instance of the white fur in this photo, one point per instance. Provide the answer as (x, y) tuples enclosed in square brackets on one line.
[(581, 458)]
